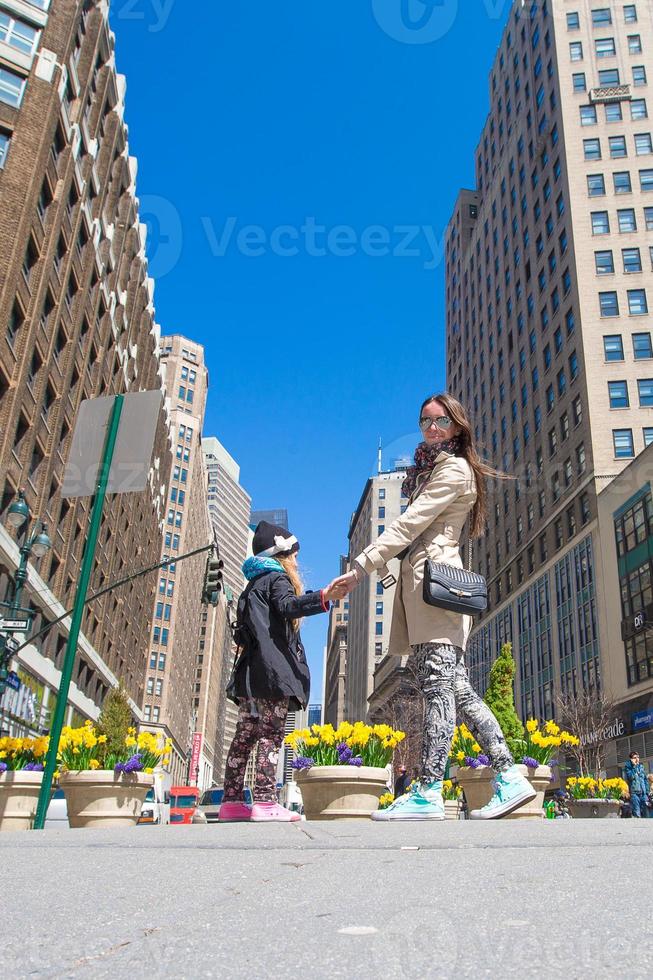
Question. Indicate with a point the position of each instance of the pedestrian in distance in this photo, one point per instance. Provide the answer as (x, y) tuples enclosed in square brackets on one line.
[(446, 485), (401, 782), (635, 776), (270, 675)]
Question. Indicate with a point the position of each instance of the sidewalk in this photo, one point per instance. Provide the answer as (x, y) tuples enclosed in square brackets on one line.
[(348, 899)]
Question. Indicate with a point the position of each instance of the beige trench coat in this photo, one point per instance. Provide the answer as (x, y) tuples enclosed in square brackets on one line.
[(430, 527)]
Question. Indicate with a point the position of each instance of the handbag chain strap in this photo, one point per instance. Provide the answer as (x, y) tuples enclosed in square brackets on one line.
[(469, 555)]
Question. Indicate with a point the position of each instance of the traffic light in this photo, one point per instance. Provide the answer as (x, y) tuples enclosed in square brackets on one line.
[(213, 584)]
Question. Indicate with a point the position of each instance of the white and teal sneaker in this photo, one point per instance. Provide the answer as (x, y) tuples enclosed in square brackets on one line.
[(423, 802), (511, 790)]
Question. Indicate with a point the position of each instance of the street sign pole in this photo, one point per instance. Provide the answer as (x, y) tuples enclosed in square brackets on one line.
[(78, 611)]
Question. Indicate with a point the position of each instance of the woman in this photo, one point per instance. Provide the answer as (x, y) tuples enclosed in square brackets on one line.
[(447, 481)]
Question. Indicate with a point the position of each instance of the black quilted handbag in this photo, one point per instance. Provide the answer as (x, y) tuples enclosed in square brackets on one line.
[(453, 588)]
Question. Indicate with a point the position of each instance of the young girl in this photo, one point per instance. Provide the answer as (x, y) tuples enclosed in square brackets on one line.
[(445, 485), (270, 676)]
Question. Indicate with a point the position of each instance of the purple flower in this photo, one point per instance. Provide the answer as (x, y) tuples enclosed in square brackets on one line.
[(356, 761), (302, 762), (344, 753), (472, 762), (3, 767), (119, 767), (33, 767), (135, 764), (483, 760), (530, 762)]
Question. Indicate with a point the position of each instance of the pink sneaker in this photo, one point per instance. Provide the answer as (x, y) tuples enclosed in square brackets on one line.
[(262, 812), (234, 813)]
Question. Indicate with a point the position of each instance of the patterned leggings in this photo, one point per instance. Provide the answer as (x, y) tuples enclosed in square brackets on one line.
[(266, 729), (443, 678)]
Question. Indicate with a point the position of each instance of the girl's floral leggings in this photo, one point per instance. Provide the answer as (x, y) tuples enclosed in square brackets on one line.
[(442, 676), (265, 725)]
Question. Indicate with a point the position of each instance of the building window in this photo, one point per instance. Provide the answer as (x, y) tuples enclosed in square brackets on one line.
[(579, 83), (627, 220), (634, 44), (630, 13), (588, 115), (162, 661), (609, 77), (645, 390), (642, 349), (573, 21), (637, 304), (378, 629), (17, 34), (158, 688), (617, 146), (605, 47), (595, 185), (638, 109), (613, 348), (609, 304), (647, 432), (153, 660), (5, 140), (379, 609), (147, 710), (601, 17), (600, 223), (379, 588), (592, 149), (150, 685), (576, 51), (584, 509), (622, 182), (623, 443), (155, 713), (577, 409), (11, 88), (604, 263), (381, 513), (380, 528), (632, 260), (618, 394), (382, 493), (646, 180), (639, 75)]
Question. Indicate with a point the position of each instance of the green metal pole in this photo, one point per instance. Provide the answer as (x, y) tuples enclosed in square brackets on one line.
[(78, 612)]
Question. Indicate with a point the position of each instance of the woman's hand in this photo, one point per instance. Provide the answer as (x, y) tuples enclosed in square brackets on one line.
[(334, 591), (345, 584)]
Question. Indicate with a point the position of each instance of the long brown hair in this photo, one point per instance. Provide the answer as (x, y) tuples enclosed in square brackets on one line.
[(291, 570), (481, 469)]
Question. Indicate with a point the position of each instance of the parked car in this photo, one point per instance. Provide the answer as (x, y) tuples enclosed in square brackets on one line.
[(57, 813), (212, 798)]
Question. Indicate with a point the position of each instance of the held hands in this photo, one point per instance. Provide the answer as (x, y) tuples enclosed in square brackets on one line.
[(340, 587)]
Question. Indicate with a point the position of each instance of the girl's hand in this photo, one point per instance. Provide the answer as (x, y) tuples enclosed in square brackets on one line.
[(343, 585)]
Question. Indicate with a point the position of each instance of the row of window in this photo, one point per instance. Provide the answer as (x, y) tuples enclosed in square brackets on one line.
[(613, 347), (161, 635), (157, 660), (154, 686), (163, 611), (17, 34), (626, 220), (618, 150), (637, 303), (602, 17), (605, 47), (631, 259), (613, 112), (5, 141), (624, 447), (620, 398), (609, 78), (151, 713)]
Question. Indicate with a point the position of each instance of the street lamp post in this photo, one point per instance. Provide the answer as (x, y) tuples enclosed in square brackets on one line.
[(37, 543)]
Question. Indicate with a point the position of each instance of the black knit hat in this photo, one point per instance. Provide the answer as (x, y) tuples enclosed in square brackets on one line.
[(271, 540)]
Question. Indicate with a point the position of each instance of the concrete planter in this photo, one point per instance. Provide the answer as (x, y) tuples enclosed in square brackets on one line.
[(540, 780), (477, 785), (451, 809), (102, 798), (581, 809), (334, 792), (19, 794)]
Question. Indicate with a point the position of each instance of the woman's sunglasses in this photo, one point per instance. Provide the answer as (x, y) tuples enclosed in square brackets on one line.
[(442, 422)]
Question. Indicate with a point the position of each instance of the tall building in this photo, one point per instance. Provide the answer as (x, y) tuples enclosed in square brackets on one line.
[(170, 683), (209, 702), (335, 659), (278, 517), (229, 512), (370, 607), (548, 338), (76, 307)]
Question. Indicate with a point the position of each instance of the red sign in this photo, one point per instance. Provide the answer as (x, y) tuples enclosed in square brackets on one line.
[(195, 757)]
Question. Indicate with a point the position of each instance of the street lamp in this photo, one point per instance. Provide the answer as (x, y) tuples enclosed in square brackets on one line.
[(37, 543)]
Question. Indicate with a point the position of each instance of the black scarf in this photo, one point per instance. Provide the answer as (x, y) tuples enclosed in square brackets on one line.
[(425, 457)]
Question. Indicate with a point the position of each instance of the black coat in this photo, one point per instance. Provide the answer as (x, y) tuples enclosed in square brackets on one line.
[(272, 663)]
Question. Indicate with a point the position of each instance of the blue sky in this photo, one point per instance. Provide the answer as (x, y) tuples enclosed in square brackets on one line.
[(298, 164)]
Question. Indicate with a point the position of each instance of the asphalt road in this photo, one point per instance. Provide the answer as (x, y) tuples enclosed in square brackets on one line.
[(344, 899)]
